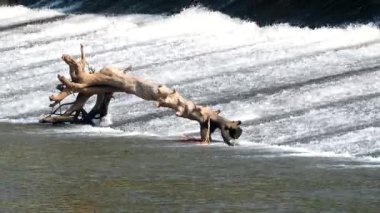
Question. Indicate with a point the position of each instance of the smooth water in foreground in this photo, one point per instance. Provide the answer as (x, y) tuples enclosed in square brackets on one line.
[(46, 171)]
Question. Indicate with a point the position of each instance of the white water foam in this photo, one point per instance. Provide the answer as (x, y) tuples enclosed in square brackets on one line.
[(19, 14), (313, 89)]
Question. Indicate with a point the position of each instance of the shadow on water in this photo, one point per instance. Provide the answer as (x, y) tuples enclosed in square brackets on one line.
[(295, 113), (232, 72), (331, 132), (152, 43), (33, 22), (279, 88), (273, 90), (47, 41), (287, 60), (266, 91)]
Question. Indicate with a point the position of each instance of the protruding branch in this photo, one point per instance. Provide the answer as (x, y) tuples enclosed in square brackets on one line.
[(54, 119), (71, 85), (60, 96), (82, 55), (109, 80), (78, 104)]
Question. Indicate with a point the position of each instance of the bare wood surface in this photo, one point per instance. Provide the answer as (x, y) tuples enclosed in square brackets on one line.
[(109, 80)]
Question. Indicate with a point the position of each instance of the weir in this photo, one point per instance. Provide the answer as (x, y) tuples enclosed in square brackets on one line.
[(312, 89)]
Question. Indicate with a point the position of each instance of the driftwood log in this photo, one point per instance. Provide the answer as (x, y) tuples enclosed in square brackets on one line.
[(109, 80)]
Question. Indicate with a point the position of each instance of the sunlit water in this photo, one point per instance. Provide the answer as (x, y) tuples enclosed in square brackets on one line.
[(300, 93), (49, 170)]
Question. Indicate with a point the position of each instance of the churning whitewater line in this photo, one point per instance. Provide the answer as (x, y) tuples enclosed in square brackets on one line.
[(331, 133), (290, 85), (257, 121), (294, 85), (33, 22), (18, 17), (287, 60), (82, 36), (357, 115), (216, 51), (294, 113)]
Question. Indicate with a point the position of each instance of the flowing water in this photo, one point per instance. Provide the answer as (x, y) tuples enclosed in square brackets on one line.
[(309, 100)]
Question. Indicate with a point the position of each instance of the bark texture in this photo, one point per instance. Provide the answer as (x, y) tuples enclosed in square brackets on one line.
[(109, 80)]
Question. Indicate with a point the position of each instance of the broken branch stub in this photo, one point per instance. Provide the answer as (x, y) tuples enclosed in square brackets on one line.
[(109, 80)]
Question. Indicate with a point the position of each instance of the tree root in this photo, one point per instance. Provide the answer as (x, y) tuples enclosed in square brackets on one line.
[(109, 80)]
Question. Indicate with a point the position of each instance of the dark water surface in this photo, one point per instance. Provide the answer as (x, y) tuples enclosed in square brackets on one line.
[(44, 171), (312, 13)]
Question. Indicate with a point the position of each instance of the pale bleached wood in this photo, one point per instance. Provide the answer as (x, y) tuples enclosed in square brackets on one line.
[(109, 80)]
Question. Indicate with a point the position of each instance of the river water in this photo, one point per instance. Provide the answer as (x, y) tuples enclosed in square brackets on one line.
[(44, 170)]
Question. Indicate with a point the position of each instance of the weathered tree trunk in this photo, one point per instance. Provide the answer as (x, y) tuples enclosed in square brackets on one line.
[(109, 80)]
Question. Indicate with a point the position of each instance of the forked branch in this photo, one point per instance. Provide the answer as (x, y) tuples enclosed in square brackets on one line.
[(109, 80)]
